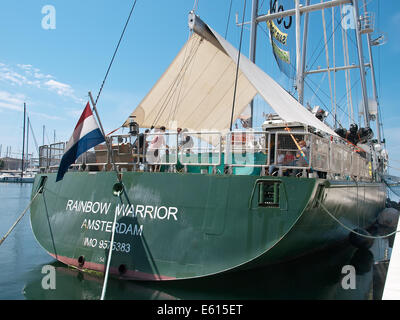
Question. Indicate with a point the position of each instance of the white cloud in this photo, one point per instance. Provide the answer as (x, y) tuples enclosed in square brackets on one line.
[(10, 106), (41, 76), (59, 87), (25, 66), (11, 101), (16, 101), (28, 75), (12, 77), (46, 116)]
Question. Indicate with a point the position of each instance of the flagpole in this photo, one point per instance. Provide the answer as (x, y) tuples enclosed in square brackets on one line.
[(103, 292), (103, 132), (97, 115)]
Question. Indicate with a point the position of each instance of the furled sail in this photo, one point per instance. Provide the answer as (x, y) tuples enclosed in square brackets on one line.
[(196, 91)]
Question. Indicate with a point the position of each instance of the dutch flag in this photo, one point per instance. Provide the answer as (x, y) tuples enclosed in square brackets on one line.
[(86, 135)]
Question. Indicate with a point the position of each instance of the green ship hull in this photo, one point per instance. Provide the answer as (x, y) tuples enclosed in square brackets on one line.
[(181, 226)]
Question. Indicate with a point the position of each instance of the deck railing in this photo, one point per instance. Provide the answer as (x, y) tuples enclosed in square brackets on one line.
[(237, 152), (200, 149)]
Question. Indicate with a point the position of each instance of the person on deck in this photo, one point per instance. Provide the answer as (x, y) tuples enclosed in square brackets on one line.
[(302, 155), (156, 145), (140, 142), (186, 142)]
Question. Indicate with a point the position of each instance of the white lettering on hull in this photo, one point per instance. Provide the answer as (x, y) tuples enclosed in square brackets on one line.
[(106, 226), (150, 212), (125, 210), (88, 206), (95, 209)]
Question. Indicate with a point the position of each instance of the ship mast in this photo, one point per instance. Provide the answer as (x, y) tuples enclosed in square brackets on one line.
[(373, 80), (23, 144), (300, 58), (300, 75), (253, 41), (298, 66), (301, 48), (361, 63)]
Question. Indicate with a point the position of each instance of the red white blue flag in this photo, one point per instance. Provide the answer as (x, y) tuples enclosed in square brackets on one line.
[(86, 135)]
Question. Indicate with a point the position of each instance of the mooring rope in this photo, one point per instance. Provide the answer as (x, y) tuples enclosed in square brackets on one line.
[(353, 231), (103, 291), (297, 145), (20, 217)]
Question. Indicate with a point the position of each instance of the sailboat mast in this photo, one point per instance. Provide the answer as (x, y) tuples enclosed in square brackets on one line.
[(253, 43), (298, 64), (361, 62), (23, 144), (373, 80), (27, 144), (301, 75)]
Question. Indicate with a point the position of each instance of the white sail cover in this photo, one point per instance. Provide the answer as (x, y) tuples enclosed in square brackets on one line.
[(196, 91)]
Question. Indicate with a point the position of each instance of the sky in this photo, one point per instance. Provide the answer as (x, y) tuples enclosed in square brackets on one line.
[(50, 60)]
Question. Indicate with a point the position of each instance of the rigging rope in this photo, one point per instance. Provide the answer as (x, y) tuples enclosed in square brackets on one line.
[(174, 110), (237, 65), (297, 145), (227, 21), (176, 82), (391, 186), (327, 95), (115, 52), (394, 168), (353, 231), (34, 138), (339, 24), (328, 63), (113, 131), (20, 217), (195, 5)]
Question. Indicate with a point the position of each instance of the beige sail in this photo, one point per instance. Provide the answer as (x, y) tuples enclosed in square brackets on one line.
[(196, 91)]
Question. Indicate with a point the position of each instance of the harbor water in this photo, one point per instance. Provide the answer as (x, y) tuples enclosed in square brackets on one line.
[(24, 266)]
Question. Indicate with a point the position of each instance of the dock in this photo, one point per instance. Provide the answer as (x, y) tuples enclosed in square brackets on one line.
[(392, 283)]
